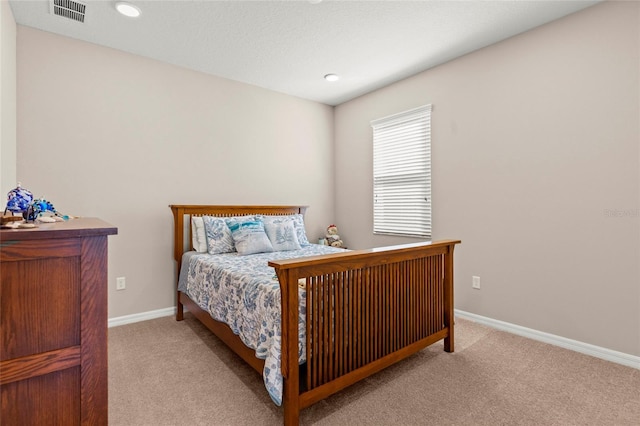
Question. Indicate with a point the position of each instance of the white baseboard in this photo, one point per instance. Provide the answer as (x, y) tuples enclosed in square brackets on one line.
[(143, 316), (563, 342)]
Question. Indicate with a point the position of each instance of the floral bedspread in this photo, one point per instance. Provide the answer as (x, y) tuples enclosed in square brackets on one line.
[(243, 292)]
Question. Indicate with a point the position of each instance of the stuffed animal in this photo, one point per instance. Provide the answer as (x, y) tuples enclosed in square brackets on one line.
[(333, 239)]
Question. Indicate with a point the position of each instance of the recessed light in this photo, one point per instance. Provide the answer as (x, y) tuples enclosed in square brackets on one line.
[(315, 1), (127, 9), (331, 77)]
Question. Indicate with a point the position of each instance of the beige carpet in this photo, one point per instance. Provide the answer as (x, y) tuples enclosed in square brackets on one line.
[(163, 372)]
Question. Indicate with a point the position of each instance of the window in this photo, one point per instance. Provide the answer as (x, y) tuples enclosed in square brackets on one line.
[(402, 173)]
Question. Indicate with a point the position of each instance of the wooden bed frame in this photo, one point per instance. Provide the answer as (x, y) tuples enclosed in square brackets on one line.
[(366, 309)]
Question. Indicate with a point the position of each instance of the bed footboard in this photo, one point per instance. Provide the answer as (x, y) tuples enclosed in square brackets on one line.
[(366, 310)]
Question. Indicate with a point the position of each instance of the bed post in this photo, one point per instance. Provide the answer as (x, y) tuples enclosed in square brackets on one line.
[(289, 325), (448, 298), (178, 247)]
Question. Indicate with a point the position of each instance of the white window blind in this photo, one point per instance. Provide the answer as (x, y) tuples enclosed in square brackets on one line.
[(402, 173)]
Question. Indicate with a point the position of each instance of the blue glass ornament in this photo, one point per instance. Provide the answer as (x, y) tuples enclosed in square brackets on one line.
[(19, 199)]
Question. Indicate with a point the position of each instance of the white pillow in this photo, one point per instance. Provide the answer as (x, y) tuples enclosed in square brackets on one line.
[(249, 236), (198, 236), (282, 235), (298, 223), (218, 235)]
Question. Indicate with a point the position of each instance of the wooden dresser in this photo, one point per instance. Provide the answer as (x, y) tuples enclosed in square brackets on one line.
[(53, 320)]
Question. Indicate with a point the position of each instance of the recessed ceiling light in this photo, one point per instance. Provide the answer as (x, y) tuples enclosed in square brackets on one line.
[(127, 9), (315, 1), (331, 77)]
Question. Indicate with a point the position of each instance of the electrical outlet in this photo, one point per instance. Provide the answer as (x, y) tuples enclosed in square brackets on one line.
[(121, 283), (475, 283)]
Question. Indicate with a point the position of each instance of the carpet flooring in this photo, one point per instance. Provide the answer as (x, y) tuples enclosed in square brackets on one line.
[(164, 372)]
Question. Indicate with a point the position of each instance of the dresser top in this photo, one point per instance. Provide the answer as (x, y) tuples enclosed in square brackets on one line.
[(80, 227)]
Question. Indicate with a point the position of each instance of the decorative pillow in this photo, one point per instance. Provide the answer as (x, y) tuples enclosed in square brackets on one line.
[(298, 222), (249, 236), (282, 235), (198, 235), (218, 235)]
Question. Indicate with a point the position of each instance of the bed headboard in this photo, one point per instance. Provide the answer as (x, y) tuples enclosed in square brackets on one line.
[(182, 233)]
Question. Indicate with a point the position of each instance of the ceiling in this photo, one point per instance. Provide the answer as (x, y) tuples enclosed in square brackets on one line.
[(288, 46)]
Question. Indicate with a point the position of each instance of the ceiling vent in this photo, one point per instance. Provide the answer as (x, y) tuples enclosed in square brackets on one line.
[(69, 9)]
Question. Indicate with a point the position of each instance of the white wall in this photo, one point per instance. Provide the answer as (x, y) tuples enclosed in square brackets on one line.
[(536, 168), (7, 101), (108, 134)]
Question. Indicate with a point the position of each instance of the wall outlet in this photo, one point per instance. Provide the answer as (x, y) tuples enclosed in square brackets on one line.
[(475, 283), (121, 283)]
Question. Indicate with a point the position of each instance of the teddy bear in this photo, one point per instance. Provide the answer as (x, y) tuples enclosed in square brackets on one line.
[(332, 237)]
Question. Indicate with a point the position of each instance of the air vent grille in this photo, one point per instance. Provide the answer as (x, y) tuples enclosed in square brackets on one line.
[(69, 9)]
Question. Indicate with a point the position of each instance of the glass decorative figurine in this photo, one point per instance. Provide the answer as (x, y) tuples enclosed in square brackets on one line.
[(18, 200), (38, 208)]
